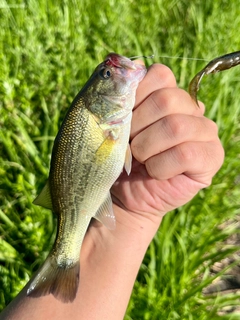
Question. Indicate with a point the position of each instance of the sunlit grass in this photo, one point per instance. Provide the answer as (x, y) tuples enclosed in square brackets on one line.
[(48, 49)]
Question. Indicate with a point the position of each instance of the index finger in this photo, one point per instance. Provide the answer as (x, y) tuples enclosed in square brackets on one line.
[(158, 76)]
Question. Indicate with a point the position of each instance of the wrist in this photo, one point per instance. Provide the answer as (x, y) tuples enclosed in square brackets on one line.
[(133, 232)]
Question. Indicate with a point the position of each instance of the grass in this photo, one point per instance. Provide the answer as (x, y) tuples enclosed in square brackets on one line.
[(48, 49)]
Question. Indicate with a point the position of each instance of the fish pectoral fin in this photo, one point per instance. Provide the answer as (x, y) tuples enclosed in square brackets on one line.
[(59, 280), (128, 160), (44, 197), (105, 213)]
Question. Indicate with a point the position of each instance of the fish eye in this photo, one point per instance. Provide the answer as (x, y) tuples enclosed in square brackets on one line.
[(105, 73)]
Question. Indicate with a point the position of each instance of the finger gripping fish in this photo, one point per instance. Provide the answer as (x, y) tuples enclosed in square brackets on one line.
[(88, 155), (222, 63)]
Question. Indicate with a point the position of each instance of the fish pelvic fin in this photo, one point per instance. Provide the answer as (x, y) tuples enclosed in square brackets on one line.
[(128, 160), (59, 280), (44, 198), (105, 213)]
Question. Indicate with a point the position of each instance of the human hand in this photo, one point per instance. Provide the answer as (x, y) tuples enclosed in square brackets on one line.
[(176, 149)]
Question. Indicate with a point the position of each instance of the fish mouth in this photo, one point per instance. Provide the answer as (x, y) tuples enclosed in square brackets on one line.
[(118, 61)]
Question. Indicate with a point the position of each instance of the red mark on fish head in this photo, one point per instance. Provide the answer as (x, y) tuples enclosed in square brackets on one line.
[(113, 60), (117, 61)]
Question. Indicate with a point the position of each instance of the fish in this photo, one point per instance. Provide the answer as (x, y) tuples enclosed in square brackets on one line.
[(89, 153), (227, 61)]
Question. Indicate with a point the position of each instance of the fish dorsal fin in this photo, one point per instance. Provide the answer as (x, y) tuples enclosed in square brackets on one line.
[(128, 160), (44, 197), (105, 213)]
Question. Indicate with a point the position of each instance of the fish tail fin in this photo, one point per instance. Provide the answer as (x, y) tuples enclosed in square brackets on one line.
[(61, 281)]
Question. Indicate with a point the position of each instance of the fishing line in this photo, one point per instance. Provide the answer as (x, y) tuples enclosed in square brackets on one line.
[(146, 57), (168, 57), (179, 57)]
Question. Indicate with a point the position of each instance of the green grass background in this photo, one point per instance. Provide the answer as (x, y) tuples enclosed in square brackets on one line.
[(48, 49)]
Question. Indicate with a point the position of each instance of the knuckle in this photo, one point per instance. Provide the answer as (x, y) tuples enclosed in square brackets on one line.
[(162, 100), (159, 101), (174, 126), (187, 153)]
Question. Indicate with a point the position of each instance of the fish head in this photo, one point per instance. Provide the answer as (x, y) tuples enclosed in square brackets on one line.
[(110, 92), (124, 74)]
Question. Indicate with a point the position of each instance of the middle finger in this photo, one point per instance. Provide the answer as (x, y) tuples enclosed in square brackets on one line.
[(170, 131)]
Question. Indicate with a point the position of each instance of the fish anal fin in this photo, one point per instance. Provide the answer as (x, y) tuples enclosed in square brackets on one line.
[(128, 160), (61, 281), (105, 213), (44, 197)]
